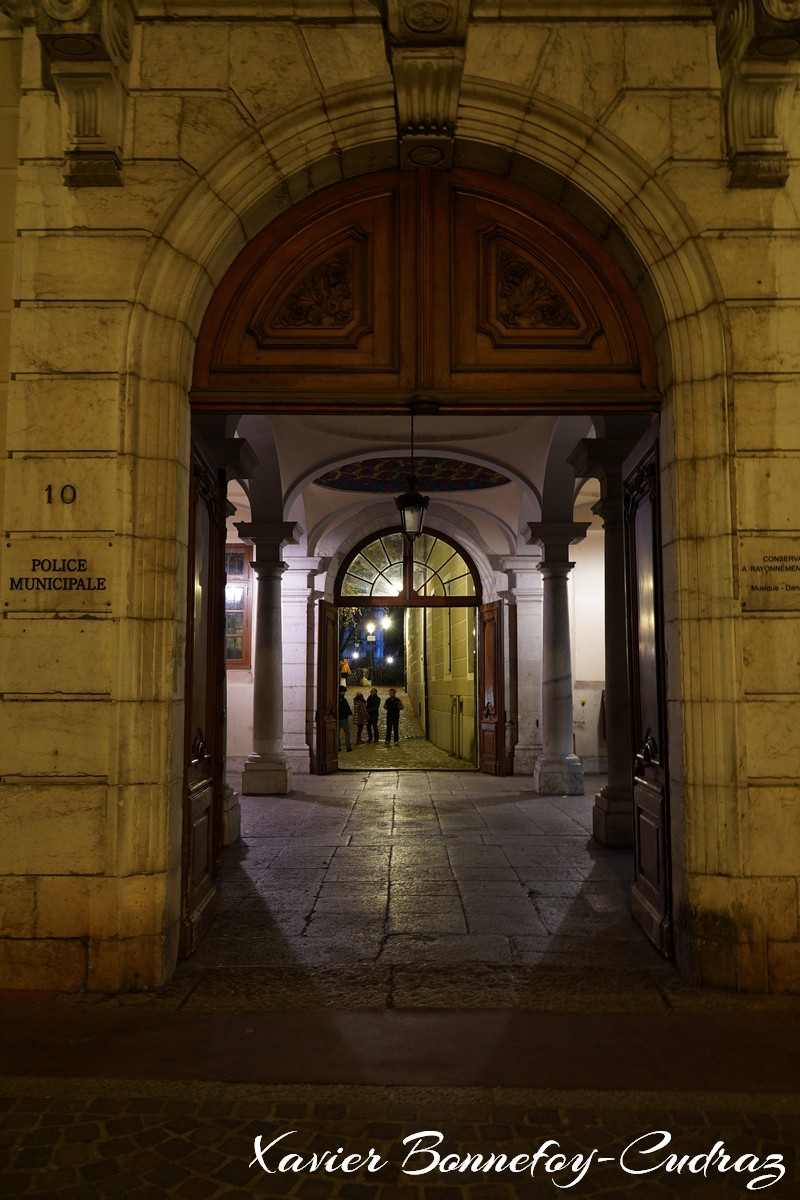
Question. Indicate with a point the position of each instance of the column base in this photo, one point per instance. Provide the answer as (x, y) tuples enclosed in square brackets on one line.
[(263, 778), (298, 758), (612, 817), (525, 759), (554, 776), (231, 816)]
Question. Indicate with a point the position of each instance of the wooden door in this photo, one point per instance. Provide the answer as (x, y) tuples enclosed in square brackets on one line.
[(491, 690), (651, 896), (205, 715), (327, 712), (454, 283)]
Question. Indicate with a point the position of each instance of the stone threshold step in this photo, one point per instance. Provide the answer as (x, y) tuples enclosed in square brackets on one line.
[(710, 1051)]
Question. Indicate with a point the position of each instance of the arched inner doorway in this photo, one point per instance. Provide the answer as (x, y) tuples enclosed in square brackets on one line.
[(407, 621), (476, 297)]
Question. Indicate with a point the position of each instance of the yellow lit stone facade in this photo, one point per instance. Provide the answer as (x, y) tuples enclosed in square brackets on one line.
[(212, 119)]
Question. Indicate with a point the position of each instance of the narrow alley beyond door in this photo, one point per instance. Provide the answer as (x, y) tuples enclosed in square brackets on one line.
[(413, 752)]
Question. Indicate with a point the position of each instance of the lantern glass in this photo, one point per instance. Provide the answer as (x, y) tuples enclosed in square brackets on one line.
[(412, 510)]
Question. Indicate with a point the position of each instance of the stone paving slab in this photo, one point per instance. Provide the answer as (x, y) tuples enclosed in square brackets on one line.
[(90, 1139)]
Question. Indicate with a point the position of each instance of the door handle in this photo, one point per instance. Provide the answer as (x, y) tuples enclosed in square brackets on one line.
[(647, 754)]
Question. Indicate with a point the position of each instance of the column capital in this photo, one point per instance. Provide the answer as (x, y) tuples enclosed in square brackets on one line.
[(235, 456), (522, 573), (264, 569), (601, 458), (312, 565), (520, 562), (268, 537), (555, 538)]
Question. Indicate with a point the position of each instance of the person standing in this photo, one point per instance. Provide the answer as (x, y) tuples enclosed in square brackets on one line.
[(393, 706), (359, 715), (345, 713), (373, 703)]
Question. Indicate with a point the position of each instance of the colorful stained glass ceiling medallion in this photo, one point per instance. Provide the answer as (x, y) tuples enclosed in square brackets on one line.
[(389, 475)]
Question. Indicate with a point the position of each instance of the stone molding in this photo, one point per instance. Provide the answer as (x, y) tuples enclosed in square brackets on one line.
[(364, 10), (260, 10), (555, 538), (88, 43), (235, 456), (427, 48), (269, 538), (758, 50)]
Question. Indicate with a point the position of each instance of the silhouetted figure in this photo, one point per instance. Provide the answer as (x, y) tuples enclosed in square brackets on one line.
[(373, 703), (393, 706), (345, 713)]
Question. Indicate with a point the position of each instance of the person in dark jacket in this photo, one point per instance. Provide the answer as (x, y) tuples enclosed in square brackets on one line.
[(373, 709), (392, 705), (359, 715), (345, 713)]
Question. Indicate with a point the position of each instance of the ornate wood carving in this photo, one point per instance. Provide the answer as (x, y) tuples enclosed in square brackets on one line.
[(324, 299), (533, 294), (468, 290), (526, 299)]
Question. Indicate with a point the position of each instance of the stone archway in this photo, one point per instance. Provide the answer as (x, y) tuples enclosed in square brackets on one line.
[(615, 197)]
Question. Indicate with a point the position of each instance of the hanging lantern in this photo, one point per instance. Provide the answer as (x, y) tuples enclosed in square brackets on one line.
[(411, 504)]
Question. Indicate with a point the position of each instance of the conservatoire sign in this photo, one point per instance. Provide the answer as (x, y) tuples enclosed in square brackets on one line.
[(770, 573)]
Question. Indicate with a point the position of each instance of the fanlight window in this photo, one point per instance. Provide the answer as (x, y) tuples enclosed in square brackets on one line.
[(390, 568)]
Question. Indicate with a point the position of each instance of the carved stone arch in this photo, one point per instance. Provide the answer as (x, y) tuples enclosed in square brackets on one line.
[(586, 172)]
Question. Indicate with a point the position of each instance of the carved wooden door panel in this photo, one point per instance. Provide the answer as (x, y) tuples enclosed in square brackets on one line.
[(491, 690), (205, 716), (327, 712), (446, 282), (651, 895)]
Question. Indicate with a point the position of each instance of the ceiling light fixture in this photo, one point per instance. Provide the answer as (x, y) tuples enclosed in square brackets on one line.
[(411, 504)]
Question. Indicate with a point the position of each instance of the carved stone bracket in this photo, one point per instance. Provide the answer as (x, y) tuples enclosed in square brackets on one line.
[(758, 50), (88, 44), (426, 42)]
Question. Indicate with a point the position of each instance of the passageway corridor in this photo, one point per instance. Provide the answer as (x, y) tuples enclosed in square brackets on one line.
[(398, 889)]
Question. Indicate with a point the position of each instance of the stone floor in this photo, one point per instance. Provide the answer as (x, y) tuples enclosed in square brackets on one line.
[(397, 952), (419, 890)]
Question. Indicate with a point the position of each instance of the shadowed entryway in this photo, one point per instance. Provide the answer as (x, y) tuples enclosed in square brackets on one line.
[(422, 890)]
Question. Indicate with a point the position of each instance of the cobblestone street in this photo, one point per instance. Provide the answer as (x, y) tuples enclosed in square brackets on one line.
[(413, 752), (86, 1140)]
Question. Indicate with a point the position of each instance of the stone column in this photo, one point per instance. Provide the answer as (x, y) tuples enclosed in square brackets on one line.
[(612, 817), (267, 771), (525, 674), (300, 596), (558, 772), (239, 461)]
